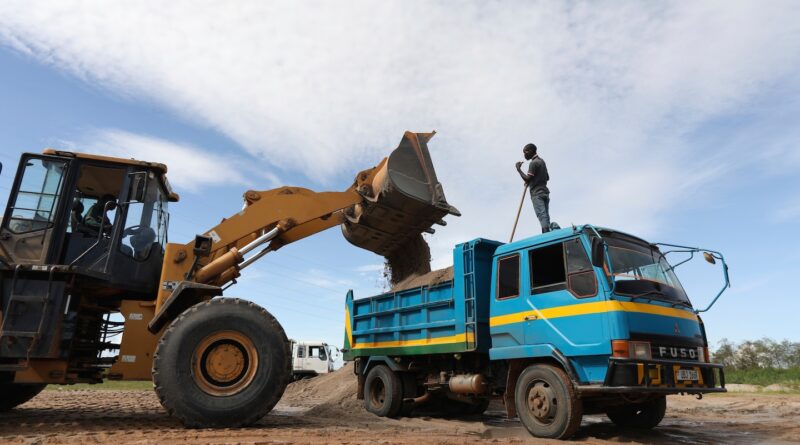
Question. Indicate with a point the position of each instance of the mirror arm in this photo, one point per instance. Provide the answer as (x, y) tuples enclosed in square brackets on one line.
[(716, 255)]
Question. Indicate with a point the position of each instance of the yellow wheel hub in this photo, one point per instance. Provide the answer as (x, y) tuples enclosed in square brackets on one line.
[(224, 363)]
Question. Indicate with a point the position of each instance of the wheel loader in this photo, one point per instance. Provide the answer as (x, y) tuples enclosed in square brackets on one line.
[(84, 237)]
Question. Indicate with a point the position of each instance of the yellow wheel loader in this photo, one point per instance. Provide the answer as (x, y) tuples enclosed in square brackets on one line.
[(85, 236)]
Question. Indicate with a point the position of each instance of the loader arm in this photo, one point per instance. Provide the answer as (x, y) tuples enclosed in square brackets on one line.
[(385, 206)]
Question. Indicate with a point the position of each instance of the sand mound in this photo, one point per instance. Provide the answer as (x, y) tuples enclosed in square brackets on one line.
[(329, 395), (428, 279)]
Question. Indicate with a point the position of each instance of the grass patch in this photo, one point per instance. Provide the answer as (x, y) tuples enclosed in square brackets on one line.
[(108, 385), (765, 377)]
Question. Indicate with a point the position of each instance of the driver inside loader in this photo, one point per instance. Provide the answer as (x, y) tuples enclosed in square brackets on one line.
[(96, 217)]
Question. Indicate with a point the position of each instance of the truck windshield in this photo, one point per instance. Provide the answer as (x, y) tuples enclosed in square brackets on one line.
[(642, 271)]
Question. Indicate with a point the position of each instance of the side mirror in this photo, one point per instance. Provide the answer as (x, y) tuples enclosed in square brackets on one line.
[(138, 187), (709, 257), (598, 252)]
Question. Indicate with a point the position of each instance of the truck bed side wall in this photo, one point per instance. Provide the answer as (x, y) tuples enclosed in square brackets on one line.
[(448, 317)]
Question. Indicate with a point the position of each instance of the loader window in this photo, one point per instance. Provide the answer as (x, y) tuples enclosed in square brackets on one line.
[(38, 195), (508, 277), (548, 269), (146, 221)]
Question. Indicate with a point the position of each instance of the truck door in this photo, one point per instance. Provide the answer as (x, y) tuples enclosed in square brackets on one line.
[(563, 287)]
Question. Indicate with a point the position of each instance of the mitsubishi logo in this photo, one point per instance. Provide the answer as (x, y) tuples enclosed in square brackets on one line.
[(677, 329)]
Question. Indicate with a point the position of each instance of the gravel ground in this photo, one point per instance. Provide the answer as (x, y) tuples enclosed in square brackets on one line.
[(324, 410)]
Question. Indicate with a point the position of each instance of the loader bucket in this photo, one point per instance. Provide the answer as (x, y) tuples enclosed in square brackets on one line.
[(402, 199)]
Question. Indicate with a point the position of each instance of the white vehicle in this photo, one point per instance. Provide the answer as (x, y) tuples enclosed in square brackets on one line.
[(311, 358)]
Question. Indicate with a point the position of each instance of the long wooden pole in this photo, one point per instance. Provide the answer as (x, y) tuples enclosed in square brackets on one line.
[(519, 211)]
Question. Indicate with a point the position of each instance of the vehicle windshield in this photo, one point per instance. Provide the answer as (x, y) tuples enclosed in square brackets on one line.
[(642, 271)]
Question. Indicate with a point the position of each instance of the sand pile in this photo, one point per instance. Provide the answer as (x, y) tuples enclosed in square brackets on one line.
[(428, 279), (329, 395)]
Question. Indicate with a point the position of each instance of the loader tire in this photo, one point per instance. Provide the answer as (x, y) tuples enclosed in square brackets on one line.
[(547, 403), (222, 363), (383, 392), (645, 415), (15, 394)]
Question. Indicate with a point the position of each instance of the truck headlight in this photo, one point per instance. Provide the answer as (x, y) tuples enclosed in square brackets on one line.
[(640, 350), (702, 354)]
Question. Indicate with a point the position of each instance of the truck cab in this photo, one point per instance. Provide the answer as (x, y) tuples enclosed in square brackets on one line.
[(607, 306), (311, 358)]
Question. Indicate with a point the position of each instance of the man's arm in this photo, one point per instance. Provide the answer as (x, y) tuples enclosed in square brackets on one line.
[(522, 175)]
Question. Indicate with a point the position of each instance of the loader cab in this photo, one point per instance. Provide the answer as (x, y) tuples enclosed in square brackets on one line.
[(105, 217)]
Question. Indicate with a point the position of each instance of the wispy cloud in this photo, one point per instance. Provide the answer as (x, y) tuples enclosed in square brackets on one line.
[(189, 167), (610, 92)]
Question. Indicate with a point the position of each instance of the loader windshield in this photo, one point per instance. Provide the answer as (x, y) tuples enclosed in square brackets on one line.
[(642, 271)]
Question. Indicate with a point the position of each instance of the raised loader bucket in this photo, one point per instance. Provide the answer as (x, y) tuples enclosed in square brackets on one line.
[(403, 199)]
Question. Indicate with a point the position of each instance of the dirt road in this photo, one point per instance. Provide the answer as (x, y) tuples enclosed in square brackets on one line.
[(324, 410)]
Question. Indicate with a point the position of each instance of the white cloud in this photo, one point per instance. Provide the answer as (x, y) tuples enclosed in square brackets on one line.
[(190, 168), (609, 92)]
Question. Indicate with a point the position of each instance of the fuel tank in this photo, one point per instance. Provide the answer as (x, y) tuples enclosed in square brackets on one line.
[(402, 199)]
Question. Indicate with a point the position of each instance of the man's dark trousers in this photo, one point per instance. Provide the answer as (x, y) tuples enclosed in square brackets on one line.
[(541, 205)]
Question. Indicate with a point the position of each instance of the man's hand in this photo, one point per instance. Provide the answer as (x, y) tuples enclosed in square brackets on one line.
[(519, 164)]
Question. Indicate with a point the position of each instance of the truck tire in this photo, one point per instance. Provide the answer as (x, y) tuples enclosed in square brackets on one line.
[(15, 394), (383, 392), (547, 403), (222, 363), (645, 415)]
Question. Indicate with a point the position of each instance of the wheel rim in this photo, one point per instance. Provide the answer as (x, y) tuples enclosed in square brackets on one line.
[(377, 393), (225, 363), (542, 402)]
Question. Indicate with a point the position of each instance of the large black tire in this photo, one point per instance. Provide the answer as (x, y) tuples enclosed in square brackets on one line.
[(222, 363), (645, 415), (15, 394), (547, 403), (383, 392)]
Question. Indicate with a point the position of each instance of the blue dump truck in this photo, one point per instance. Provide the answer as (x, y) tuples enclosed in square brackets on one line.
[(576, 321)]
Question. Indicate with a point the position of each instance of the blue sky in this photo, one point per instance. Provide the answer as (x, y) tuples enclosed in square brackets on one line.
[(672, 121)]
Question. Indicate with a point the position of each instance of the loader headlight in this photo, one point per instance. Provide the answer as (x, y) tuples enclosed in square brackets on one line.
[(640, 350)]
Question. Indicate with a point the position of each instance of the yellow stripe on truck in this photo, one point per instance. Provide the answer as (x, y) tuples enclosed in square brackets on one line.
[(347, 328), (458, 338), (592, 308)]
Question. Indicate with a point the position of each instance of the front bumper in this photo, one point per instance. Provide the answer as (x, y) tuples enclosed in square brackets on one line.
[(628, 375)]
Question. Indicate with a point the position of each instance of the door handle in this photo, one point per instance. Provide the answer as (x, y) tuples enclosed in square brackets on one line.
[(531, 317)]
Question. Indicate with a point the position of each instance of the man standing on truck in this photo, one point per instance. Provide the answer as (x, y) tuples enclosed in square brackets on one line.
[(537, 178)]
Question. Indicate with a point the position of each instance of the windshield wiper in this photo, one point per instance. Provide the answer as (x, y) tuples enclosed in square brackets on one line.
[(664, 298)]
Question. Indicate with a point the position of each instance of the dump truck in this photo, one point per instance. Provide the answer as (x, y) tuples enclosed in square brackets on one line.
[(312, 358), (581, 320), (84, 239)]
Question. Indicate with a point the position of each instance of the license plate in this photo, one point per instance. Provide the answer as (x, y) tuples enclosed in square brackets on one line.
[(687, 374)]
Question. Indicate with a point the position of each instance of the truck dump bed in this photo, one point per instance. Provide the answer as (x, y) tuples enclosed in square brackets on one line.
[(448, 316)]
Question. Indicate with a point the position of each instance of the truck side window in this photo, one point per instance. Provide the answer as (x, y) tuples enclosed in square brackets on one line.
[(508, 277), (548, 269), (581, 282), (301, 351)]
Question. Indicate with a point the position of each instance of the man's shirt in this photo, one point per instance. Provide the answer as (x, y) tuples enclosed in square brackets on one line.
[(537, 170)]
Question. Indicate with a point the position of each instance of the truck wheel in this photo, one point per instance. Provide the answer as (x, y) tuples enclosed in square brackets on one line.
[(645, 415), (547, 403), (15, 394), (222, 363), (383, 392)]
